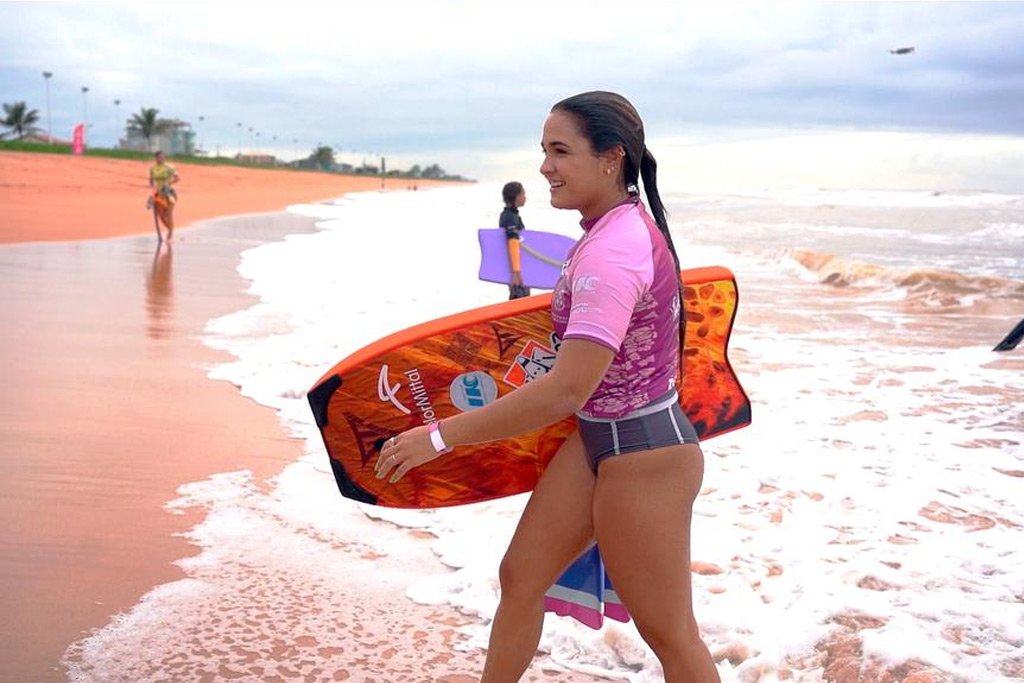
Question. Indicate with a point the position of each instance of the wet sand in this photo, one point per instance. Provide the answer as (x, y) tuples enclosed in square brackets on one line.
[(106, 411)]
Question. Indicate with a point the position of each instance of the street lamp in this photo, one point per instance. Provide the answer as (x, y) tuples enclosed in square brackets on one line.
[(117, 123), (85, 117), (49, 129), (239, 124), (201, 119)]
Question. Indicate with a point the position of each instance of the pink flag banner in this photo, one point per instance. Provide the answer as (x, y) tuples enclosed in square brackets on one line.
[(78, 140)]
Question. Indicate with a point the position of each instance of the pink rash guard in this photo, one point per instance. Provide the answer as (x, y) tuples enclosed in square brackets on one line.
[(620, 288)]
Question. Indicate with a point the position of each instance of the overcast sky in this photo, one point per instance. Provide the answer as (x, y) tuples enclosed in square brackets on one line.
[(468, 84)]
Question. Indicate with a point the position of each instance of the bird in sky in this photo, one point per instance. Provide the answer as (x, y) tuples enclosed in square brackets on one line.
[(902, 51)]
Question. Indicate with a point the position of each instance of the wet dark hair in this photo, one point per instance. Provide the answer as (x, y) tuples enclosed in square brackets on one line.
[(608, 119), (510, 192)]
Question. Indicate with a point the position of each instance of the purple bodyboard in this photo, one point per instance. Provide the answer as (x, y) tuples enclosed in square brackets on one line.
[(541, 256)]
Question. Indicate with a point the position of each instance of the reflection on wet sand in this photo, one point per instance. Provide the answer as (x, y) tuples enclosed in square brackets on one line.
[(160, 293)]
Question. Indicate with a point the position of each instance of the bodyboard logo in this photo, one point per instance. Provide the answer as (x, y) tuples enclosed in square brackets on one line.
[(506, 340), (368, 437), (472, 390), (462, 350), (535, 360), (386, 391)]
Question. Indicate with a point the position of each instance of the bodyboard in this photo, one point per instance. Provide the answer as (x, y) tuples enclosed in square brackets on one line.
[(465, 361), (541, 255), (585, 593), (1010, 341)]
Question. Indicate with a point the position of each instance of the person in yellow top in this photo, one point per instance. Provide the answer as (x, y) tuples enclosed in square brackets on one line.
[(162, 177)]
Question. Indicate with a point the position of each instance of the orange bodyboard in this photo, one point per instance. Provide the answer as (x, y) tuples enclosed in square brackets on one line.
[(459, 362)]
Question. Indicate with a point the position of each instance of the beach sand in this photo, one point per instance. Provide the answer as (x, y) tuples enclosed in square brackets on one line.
[(107, 409), (49, 197)]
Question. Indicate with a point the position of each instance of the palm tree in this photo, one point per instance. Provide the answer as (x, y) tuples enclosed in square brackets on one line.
[(323, 156), (147, 124), (20, 118)]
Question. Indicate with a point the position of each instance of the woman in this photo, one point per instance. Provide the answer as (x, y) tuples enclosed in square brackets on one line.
[(629, 476), (161, 178), (514, 196)]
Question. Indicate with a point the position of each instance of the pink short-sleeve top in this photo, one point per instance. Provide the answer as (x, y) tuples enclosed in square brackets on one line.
[(620, 288)]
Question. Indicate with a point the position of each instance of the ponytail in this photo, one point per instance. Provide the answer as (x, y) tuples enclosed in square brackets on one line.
[(649, 173)]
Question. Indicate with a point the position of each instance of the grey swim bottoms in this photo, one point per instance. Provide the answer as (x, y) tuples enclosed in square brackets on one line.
[(660, 424)]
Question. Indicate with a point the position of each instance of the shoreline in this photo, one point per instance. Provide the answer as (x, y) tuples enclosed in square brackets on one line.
[(94, 457)]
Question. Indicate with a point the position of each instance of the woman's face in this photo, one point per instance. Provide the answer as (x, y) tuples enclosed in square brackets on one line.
[(579, 178), (521, 198)]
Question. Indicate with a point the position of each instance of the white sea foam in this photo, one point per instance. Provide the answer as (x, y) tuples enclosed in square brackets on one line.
[(882, 198), (1010, 233), (833, 502)]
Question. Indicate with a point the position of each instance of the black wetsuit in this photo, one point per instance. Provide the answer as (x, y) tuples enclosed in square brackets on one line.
[(513, 225)]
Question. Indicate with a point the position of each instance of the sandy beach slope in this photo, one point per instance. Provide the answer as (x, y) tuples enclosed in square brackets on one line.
[(47, 197)]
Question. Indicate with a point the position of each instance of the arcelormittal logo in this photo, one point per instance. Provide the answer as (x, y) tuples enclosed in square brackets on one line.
[(386, 391)]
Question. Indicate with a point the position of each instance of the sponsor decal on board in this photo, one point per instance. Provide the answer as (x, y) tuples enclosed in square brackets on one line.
[(388, 392), (420, 396), (462, 350), (368, 437), (505, 340), (533, 361), (472, 390)]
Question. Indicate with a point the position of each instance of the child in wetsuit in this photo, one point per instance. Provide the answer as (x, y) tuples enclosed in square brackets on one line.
[(514, 196)]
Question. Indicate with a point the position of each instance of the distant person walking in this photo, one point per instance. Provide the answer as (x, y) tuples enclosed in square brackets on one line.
[(161, 178), (514, 196)]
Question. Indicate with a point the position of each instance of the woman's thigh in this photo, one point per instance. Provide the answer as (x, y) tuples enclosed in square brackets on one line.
[(643, 502), (556, 524)]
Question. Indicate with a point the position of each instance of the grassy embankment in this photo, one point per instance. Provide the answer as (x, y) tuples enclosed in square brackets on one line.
[(43, 148)]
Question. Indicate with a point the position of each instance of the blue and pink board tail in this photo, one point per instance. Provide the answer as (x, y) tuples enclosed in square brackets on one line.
[(585, 593), (541, 257)]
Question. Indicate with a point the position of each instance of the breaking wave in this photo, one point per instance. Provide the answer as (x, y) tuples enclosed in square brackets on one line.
[(929, 287)]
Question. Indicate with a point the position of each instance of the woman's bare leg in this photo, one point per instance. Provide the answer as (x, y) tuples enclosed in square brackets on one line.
[(554, 529), (642, 508)]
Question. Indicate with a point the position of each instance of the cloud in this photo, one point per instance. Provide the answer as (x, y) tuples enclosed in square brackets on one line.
[(421, 78)]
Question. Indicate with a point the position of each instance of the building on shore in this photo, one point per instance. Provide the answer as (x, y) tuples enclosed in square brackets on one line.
[(177, 139), (257, 158)]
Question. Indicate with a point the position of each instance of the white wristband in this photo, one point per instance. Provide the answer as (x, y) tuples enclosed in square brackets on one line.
[(434, 429)]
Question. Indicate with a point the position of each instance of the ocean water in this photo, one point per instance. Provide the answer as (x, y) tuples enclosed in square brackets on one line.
[(876, 494)]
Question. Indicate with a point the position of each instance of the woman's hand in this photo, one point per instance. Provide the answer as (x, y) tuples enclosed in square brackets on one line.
[(403, 452)]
